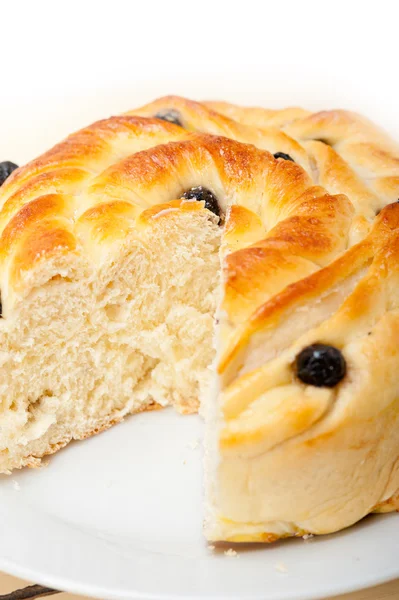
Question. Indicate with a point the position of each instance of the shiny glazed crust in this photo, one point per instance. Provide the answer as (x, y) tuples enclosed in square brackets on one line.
[(305, 258)]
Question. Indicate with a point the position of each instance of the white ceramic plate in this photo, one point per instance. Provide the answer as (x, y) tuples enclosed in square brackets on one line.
[(119, 516)]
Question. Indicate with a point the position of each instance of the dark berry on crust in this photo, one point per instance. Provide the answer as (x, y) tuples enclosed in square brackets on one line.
[(6, 168), (203, 194), (170, 115), (320, 365), (284, 156)]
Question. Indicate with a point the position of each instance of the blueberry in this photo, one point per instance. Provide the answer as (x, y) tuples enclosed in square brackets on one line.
[(6, 168), (320, 365), (170, 115), (283, 155), (203, 194)]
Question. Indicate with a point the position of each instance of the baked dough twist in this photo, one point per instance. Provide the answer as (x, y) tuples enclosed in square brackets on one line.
[(109, 283), (341, 151)]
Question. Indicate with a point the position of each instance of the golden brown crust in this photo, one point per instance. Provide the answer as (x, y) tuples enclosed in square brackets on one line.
[(348, 153), (197, 116), (256, 116)]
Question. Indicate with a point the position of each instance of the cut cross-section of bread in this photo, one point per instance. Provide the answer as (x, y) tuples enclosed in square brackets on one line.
[(110, 274), (144, 264)]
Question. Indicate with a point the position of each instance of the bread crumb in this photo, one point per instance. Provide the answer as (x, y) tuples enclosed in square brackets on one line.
[(230, 552), (16, 485), (194, 444), (307, 536), (281, 568)]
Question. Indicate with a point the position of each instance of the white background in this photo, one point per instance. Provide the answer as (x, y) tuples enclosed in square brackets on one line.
[(65, 64)]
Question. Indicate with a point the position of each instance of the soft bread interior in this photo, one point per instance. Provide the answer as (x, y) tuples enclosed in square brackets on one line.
[(94, 344)]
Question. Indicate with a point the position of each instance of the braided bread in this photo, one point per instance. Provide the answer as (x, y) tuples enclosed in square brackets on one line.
[(127, 245)]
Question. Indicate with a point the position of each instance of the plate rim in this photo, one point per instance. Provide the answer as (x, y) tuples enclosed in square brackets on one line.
[(91, 591)]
